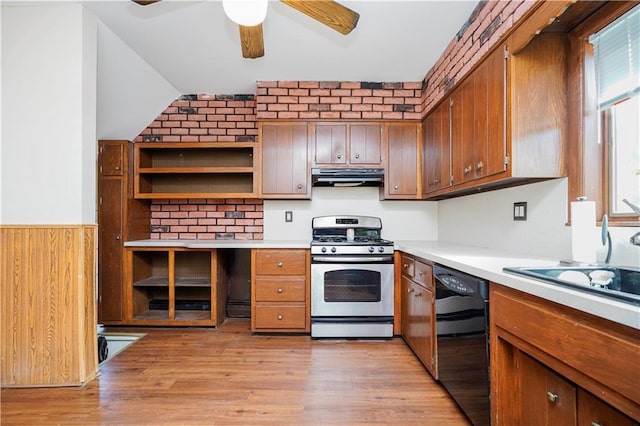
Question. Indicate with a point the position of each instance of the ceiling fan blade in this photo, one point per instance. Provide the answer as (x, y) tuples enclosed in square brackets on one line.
[(327, 12), (145, 2), (251, 41)]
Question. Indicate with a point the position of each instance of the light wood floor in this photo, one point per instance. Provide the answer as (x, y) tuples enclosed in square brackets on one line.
[(203, 376)]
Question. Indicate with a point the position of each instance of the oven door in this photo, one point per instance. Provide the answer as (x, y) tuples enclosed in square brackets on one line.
[(351, 289)]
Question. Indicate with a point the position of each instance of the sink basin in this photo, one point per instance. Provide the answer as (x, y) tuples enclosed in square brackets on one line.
[(624, 284)]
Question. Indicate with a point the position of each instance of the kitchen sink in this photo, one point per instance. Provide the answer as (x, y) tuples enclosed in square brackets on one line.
[(621, 283)]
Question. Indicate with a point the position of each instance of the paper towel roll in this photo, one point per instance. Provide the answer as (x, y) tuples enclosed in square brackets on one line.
[(583, 231)]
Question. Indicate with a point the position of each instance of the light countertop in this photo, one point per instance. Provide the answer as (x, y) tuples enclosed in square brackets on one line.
[(488, 263), (481, 262)]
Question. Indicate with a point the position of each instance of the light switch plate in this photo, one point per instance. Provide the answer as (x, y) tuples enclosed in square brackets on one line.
[(288, 216), (520, 210)]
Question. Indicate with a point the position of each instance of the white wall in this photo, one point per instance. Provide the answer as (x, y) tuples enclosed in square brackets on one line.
[(48, 115), (401, 220), (131, 94), (486, 220)]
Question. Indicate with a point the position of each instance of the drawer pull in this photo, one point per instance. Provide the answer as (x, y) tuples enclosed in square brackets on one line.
[(280, 317), (279, 290), (552, 397), (410, 290), (280, 264), (421, 273), (405, 266)]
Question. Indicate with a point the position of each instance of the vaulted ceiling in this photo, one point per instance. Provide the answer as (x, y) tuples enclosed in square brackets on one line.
[(196, 48)]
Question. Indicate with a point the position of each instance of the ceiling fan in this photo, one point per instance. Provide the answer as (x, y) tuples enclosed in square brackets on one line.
[(327, 12)]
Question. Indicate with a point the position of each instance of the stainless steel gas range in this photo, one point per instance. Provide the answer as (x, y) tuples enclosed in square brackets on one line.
[(351, 278)]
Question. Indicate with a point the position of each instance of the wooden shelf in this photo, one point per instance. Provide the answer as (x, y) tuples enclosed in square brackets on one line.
[(195, 170), (152, 282)]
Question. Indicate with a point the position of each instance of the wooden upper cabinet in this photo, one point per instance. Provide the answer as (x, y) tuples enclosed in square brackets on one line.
[(436, 149), (347, 144), (285, 160), (365, 144), (402, 141), (507, 124), (330, 144)]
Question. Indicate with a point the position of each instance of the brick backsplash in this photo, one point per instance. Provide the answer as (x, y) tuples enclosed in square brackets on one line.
[(337, 100), (213, 219)]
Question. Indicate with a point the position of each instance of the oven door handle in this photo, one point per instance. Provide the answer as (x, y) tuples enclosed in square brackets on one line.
[(352, 259)]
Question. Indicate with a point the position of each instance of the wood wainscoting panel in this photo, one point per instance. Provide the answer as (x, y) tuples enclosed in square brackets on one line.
[(48, 312)]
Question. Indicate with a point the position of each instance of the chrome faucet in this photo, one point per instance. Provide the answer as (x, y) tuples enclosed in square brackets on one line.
[(606, 237)]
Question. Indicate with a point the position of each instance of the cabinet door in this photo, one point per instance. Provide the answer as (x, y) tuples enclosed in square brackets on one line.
[(495, 69), (285, 165), (462, 131), (111, 158), (330, 144), (546, 398), (403, 161), (595, 412), (435, 149), (408, 316), (110, 270), (365, 144)]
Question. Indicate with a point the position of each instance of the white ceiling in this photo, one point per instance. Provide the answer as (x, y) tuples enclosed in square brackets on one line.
[(197, 49)]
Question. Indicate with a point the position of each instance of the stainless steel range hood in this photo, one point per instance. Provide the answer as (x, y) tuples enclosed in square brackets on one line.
[(347, 177)]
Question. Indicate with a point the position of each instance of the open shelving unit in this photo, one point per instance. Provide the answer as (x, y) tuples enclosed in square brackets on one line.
[(195, 170), (175, 286)]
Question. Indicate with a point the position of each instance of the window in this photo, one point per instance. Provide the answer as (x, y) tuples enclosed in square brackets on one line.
[(616, 52), (604, 99)]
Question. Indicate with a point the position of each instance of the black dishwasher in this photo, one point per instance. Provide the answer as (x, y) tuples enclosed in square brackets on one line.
[(462, 329)]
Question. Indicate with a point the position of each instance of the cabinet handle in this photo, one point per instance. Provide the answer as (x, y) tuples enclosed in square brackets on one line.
[(467, 170), (437, 181), (595, 424), (299, 186), (339, 156), (357, 156), (280, 264), (117, 237), (280, 317), (395, 187), (479, 166), (418, 294), (421, 273), (279, 290), (405, 266), (117, 167), (552, 397), (410, 290)]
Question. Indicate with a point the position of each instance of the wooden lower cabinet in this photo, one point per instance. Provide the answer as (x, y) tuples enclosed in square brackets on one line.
[(418, 310), (280, 292), (174, 286), (552, 365)]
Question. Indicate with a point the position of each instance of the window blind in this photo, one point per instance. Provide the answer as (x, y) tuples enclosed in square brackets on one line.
[(617, 59)]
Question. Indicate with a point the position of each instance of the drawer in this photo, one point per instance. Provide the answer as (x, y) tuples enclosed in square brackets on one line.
[(408, 265), (281, 262), (280, 316), (280, 289), (423, 274)]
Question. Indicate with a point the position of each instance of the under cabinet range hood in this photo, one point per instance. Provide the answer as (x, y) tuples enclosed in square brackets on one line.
[(347, 177)]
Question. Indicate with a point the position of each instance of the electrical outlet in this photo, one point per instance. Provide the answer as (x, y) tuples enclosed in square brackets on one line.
[(288, 216), (520, 210)]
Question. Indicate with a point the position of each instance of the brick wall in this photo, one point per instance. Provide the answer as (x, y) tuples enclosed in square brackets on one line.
[(240, 219), (205, 118), (335, 100), (488, 22)]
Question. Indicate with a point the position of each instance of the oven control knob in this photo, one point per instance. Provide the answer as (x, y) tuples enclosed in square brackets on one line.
[(381, 249), (371, 249), (333, 249), (323, 249)]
